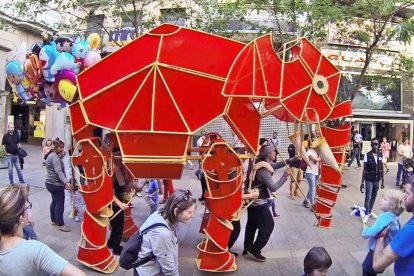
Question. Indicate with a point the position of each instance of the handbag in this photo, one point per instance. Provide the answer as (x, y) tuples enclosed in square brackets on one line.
[(21, 153)]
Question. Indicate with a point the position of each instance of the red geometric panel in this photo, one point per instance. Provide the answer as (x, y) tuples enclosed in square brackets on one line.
[(153, 144), (166, 113), (198, 51), (197, 97), (119, 64), (100, 107), (155, 170), (76, 117), (244, 119)]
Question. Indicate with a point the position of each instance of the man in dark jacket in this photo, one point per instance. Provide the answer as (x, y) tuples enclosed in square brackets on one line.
[(371, 175), (11, 145)]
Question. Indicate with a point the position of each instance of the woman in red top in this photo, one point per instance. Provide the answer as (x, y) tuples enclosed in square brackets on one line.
[(385, 148)]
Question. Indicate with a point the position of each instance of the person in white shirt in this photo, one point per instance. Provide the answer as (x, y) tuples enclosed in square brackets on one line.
[(404, 151), (356, 153)]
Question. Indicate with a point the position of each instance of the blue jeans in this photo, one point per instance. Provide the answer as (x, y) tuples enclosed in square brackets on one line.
[(399, 172), (29, 232), (311, 178), (371, 189), (356, 153), (57, 206), (13, 160)]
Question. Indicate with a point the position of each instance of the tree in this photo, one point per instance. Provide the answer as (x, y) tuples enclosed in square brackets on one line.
[(369, 24)]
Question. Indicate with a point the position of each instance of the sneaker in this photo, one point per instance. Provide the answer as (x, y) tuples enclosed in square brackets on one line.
[(257, 256), (77, 219), (139, 195), (305, 204), (373, 215), (276, 216), (63, 228), (53, 223)]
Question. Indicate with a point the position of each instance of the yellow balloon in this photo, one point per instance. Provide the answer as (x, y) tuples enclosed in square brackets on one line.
[(94, 41), (67, 90)]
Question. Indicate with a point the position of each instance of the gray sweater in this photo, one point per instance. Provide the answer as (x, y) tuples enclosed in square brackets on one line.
[(163, 243), (55, 170), (266, 178)]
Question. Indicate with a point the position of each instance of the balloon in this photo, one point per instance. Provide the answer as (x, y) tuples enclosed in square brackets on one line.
[(64, 43), (14, 72), (94, 41), (33, 70), (47, 57), (80, 48), (66, 85), (93, 57), (51, 91), (64, 61), (36, 47), (67, 90)]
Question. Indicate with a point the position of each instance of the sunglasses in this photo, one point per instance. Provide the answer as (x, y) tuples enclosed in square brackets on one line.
[(186, 196)]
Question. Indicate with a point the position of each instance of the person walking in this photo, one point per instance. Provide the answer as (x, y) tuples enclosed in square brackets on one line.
[(258, 213), (311, 175), (372, 173), (401, 248), (25, 257), (11, 145), (162, 242), (56, 183), (357, 146), (404, 151), (385, 149)]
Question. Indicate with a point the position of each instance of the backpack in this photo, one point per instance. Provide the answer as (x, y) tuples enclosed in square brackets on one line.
[(129, 255)]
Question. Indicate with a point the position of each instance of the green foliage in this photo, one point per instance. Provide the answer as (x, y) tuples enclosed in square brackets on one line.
[(2, 153)]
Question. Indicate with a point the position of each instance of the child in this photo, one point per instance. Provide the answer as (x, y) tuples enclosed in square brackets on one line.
[(317, 262), (76, 196), (391, 205), (46, 149), (153, 193), (28, 231)]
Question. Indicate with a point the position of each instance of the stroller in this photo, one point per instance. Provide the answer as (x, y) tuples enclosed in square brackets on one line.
[(408, 170)]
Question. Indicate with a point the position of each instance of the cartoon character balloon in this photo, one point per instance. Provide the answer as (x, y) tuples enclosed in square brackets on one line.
[(66, 85), (47, 57), (15, 76)]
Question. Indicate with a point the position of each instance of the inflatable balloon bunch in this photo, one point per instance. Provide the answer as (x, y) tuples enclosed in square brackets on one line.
[(49, 72)]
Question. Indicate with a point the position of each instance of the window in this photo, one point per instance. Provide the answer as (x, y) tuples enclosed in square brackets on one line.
[(376, 92)]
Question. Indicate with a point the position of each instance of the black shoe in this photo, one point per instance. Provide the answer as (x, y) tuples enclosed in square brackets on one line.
[(344, 186), (305, 204), (234, 253), (244, 252), (257, 256), (118, 250)]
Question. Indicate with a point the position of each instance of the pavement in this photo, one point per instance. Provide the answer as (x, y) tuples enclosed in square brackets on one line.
[(293, 235)]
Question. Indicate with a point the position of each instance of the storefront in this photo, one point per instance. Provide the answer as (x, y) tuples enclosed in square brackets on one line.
[(383, 107)]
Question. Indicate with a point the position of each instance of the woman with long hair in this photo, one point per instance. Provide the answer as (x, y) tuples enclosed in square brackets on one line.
[(56, 183), (25, 257), (162, 241)]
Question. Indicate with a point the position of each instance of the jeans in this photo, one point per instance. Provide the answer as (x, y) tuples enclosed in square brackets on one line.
[(399, 172), (311, 178), (371, 189), (57, 206), (258, 218), (271, 204), (13, 160), (29, 232), (356, 153)]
